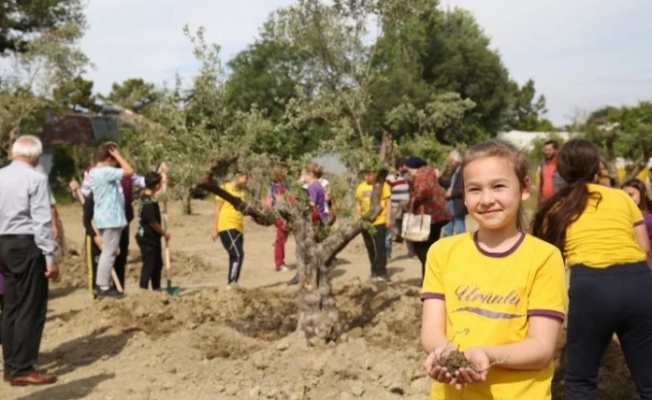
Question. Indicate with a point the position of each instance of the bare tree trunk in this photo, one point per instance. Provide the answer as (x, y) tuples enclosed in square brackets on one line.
[(187, 203), (319, 317), (386, 150), (61, 239)]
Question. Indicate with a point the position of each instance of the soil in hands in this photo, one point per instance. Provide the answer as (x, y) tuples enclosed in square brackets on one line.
[(455, 360)]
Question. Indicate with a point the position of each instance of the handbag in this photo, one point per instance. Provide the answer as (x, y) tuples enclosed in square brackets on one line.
[(416, 227)]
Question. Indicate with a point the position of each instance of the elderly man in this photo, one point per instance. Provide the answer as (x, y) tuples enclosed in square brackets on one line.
[(27, 260), (454, 195)]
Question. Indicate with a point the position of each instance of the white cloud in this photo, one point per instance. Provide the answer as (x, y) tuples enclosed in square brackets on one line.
[(581, 53)]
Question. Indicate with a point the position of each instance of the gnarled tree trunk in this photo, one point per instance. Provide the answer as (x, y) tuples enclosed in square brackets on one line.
[(319, 317)]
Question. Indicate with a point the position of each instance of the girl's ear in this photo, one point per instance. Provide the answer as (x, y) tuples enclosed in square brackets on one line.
[(526, 189)]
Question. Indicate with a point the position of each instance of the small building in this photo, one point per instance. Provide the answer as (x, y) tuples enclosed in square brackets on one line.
[(78, 130)]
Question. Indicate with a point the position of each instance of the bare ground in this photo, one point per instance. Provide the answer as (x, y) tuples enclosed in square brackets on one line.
[(211, 343)]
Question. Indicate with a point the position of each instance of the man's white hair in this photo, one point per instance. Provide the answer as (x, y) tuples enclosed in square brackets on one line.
[(455, 156), (28, 146)]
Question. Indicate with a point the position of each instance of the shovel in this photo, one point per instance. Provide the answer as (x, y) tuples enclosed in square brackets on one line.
[(172, 290)]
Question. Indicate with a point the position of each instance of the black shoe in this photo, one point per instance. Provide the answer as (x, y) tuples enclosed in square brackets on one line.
[(294, 281), (110, 292)]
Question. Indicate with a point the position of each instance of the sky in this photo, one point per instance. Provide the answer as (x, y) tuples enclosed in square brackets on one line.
[(582, 54)]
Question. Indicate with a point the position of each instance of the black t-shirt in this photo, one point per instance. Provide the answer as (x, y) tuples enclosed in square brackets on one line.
[(149, 212)]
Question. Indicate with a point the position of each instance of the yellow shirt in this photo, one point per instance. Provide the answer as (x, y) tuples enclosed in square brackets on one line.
[(363, 197), (489, 298), (230, 218), (604, 234)]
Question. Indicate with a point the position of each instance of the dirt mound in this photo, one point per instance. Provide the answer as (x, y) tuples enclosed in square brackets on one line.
[(74, 271), (256, 313), (385, 315)]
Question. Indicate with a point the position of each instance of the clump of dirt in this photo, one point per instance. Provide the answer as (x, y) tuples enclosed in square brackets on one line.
[(454, 360)]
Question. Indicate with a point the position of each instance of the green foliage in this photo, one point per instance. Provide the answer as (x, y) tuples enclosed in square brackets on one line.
[(425, 50), (425, 148), (526, 113), (440, 119), (63, 168), (23, 22), (48, 60), (75, 95), (133, 94), (625, 131)]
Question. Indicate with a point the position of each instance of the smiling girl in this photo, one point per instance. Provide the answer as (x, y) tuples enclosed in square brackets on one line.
[(497, 294)]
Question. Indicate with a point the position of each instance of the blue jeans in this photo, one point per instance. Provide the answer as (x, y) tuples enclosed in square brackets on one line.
[(388, 243), (457, 222)]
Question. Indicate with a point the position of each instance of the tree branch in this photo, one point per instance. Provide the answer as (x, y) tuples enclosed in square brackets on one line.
[(337, 241), (265, 218)]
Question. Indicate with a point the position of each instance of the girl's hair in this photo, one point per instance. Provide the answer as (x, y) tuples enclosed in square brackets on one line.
[(313, 169), (578, 163), (642, 191), (279, 174), (508, 152), (152, 179)]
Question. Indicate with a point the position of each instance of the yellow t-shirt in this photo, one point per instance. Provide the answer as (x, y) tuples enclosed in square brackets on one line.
[(230, 218), (489, 298), (363, 197), (604, 234)]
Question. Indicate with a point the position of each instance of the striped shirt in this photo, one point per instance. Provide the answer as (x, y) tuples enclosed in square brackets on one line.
[(400, 188)]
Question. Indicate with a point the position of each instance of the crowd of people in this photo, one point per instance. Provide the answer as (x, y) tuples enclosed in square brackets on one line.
[(28, 246), (498, 293)]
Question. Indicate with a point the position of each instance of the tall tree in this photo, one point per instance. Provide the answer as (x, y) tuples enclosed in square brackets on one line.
[(48, 60), (425, 50), (527, 112), (75, 94), (622, 132), (134, 94), (23, 21)]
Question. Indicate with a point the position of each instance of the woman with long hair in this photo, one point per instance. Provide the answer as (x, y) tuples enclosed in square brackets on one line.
[(601, 234), (636, 189)]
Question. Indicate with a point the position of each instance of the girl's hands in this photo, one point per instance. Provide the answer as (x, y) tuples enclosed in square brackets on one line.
[(481, 364), (436, 371), (464, 376)]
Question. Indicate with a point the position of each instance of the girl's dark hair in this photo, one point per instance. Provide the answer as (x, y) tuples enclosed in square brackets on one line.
[(642, 191), (508, 152), (152, 179), (578, 163)]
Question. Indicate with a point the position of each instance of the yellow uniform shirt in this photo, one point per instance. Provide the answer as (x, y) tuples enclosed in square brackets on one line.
[(604, 234), (230, 218), (363, 197), (489, 298)]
